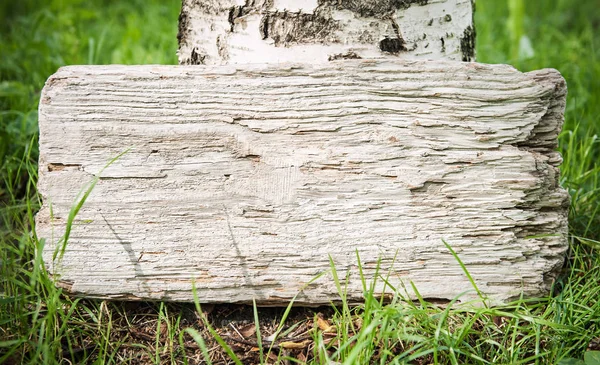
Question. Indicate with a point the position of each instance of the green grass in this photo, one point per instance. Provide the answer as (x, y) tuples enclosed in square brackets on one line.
[(40, 325)]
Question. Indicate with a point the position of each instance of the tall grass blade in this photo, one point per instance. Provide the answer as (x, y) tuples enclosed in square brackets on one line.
[(77, 207), (467, 273)]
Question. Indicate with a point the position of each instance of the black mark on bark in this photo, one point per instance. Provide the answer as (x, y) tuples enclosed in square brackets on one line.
[(372, 8), (286, 28), (251, 6), (344, 56), (196, 58), (467, 44), (392, 45), (184, 27), (207, 7), (237, 12)]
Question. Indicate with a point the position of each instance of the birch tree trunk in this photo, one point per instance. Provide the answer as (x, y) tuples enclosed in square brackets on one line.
[(274, 31)]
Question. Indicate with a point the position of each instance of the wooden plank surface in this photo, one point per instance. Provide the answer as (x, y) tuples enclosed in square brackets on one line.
[(248, 178), (312, 31)]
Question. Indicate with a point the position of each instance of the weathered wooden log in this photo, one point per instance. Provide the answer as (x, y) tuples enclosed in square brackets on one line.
[(275, 31), (248, 178)]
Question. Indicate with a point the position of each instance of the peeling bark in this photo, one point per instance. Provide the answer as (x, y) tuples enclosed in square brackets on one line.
[(259, 31), (244, 179)]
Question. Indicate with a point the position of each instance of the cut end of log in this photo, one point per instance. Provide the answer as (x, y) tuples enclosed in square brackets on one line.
[(246, 180)]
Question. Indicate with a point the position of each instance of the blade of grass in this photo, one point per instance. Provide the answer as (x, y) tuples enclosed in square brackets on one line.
[(199, 341), (258, 334), (77, 207), (211, 330), (467, 273)]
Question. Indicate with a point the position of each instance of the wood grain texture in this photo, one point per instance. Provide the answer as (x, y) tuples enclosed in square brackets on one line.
[(247, 178), (275, 31)]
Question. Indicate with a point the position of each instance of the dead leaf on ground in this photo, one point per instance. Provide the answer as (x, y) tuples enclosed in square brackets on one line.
[(295, 345), (164, 329), (358, 322), (248, 330), (324, 325)]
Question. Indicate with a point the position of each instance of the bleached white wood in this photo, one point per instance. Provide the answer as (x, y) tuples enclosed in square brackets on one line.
[(247, 178), (312, 31)]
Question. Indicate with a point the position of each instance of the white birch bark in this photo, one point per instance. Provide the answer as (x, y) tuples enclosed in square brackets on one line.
[(311, 31), (247, 178)]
